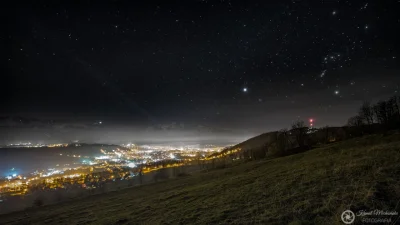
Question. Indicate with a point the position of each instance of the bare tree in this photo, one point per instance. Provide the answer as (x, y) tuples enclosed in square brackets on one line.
[(299, 129), (396, 104), (298, 124), (392, 109), (378, 119), (397, 107), (366, 113), (381, 112), (326, 129), (282, 140), (355, 121)]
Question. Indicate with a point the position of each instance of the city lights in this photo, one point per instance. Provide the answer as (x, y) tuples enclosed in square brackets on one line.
[(131, 165), (125, 159)]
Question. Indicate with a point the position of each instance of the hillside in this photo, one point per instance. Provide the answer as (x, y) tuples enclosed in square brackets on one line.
[(313, 187), (256, 142), (266, 139)]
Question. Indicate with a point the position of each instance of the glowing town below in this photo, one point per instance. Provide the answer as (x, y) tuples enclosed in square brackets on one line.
[(90, 171)]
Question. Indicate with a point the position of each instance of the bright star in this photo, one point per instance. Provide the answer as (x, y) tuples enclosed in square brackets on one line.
[(323, 73), (336, 92), (244, 89)]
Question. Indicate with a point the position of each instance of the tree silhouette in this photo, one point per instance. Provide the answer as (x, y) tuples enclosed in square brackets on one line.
[(383, 112), (355, 121), (392, 109), (299, 129), (282, 140), (366, 113)]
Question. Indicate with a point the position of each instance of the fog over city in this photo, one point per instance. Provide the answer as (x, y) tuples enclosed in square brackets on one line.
[(20, 129)]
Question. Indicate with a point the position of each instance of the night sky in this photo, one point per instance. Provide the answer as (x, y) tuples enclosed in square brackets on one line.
[(226, 68)]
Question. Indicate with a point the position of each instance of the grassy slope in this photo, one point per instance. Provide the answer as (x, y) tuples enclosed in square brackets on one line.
[(255, 142), (315, 186)]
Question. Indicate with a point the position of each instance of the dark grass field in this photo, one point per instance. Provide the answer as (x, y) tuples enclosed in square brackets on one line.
[(313, 187)]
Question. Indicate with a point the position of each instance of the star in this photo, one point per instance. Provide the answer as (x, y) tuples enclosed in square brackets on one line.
[(336, 92), (323, 73), (245, 89), (334, 13)]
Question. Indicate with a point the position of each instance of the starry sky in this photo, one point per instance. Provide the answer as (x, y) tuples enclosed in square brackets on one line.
[(231, 68)]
